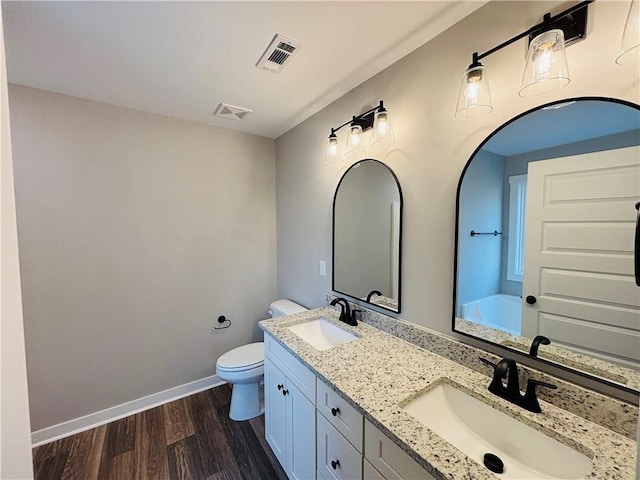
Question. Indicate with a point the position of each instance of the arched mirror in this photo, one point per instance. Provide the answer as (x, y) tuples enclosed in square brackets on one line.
[(545, 238), (367, 227)]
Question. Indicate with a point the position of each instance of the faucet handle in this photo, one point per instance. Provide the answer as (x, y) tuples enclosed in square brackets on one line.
[(532, 384), (530, 400), (488, 362)]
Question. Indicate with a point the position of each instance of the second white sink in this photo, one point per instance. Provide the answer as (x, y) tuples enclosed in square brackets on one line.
[(322, 334), (476, 428)]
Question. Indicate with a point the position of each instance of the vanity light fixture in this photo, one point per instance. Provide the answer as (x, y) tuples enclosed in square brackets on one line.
[(376, 118), (546, 67), (630, 49)]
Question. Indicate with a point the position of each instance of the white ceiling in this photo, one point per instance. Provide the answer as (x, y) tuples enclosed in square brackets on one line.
[(182, 59)]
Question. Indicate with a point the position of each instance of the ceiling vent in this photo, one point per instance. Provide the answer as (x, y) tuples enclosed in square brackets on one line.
[(278, 54), (230, 111)]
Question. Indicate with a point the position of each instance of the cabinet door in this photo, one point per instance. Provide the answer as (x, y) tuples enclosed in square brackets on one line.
[(292, 367), (302, 435), (275, 419), (337, 458)]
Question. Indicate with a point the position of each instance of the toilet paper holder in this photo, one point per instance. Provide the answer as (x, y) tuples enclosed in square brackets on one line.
[(223, 322)]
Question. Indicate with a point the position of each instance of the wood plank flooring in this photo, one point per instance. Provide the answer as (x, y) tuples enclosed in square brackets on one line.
[(189, 439)]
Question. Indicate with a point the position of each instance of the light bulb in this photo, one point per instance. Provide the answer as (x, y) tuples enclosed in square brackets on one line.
[(472, 91), (354, 138), (382, 126), (542, 64), (355, 145)]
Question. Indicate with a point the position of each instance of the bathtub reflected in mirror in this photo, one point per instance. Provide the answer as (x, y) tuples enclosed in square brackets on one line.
[(501, 312), (545, 213)]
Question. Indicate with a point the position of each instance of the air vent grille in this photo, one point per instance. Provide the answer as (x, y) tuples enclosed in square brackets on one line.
[(278, 57), (278, 54), (232, 112)]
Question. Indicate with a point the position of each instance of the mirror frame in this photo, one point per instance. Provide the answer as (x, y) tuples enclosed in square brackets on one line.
[(538, 362), (333, 237)]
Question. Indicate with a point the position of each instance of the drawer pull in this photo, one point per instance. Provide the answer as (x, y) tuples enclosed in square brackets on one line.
[(335, 464), (280, 386), (335, 411), (285, 392)]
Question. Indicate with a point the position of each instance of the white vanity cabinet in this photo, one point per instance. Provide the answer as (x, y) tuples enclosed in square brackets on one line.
[(385, 460), (338, 436), (290, 416), (315, 433)]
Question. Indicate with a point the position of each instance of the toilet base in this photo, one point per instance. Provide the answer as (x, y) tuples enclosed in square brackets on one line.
[(247, 401)]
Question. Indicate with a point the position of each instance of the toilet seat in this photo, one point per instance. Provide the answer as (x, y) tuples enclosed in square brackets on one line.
[(245, 357)]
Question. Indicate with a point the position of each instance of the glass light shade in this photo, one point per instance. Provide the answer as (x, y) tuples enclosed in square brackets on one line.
[(474, 99), (355, 144), (382, 131), (630, 50), (333, 152), (546, 69)]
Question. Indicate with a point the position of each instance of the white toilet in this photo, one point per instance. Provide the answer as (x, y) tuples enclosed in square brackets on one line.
[(243, 368)]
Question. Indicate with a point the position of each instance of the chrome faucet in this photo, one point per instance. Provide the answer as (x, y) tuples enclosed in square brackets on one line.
[(346, 315), (510, 391)]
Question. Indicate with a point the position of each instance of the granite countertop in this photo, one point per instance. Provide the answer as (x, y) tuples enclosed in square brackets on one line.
[(379, 373)]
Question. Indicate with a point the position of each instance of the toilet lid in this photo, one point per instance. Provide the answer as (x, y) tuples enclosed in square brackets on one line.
[(242, 357)]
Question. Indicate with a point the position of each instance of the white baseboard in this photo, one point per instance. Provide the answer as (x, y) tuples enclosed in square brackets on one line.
[(80, 424)]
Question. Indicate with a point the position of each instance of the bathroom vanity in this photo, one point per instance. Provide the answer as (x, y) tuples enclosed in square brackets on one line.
[(344, 410), (345, 446)]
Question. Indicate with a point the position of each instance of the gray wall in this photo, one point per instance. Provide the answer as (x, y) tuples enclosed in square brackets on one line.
[(15, 441), (136, 231), (479, 257), (432, 146)]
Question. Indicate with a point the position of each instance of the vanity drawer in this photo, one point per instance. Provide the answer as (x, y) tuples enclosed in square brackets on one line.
[(389, 459), (370, 473), (303, 378), (346, 419), (336, 458)]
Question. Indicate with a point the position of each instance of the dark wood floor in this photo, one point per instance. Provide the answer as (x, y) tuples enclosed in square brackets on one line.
[(192, 438)]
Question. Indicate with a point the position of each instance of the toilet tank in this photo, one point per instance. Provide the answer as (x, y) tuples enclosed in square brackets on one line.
[(282, 307)]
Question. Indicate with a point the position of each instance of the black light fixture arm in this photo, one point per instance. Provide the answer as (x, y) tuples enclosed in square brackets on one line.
[(365, 120), (545, 24)]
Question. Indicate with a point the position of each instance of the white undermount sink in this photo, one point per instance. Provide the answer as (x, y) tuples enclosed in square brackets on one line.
[(476, 428), (322, 334)]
